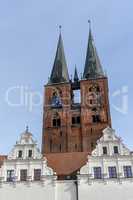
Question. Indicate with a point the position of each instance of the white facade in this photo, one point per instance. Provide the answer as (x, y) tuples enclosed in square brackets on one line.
[(109, 170), (95, 180), (25, 163)]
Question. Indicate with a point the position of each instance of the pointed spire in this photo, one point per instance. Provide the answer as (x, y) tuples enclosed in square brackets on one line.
[(27, 129), (59, 71), (93, 68), (76, 78)]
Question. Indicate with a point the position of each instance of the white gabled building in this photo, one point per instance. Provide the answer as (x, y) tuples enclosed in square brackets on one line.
[(25, 162), (108, 173), (25, 174)]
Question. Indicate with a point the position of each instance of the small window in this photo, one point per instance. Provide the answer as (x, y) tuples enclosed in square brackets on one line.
[(105, 150), (116, 150), (76, 120), (73, 120), (30, 153), (96, 118), (91, 101), (37, 174), (20, 154), (112, 172), (10, 175), (128, 171), (23, 175), (56, 122), (97, 173)]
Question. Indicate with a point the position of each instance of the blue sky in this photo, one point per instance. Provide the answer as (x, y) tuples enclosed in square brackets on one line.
[(28, 39)]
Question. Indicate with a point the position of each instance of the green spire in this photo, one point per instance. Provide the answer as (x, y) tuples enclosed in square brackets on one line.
[(76, 78), (93, 68), (59, 72)]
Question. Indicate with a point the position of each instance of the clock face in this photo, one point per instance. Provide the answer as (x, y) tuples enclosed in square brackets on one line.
[(56, 100)]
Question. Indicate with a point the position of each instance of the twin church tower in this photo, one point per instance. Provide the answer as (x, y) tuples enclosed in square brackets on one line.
[(70, 127)]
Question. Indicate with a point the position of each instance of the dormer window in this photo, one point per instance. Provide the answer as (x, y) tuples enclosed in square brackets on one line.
[(20, 154), (105, 151), (116, 151), (30, 153)]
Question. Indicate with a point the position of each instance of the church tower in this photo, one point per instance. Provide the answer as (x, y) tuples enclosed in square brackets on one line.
[(75, 111)]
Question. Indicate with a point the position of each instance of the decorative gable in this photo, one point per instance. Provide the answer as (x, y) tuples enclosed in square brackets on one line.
[(25, 148), (110, 144)]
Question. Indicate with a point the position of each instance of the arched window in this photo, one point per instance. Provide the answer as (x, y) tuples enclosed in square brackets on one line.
[(20, 154), (30, 153), (56, 100), (56, 120), (96, 118)]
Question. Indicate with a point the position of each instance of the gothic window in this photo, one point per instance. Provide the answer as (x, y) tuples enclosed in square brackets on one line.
[(10, 175), (56, 100), (97, 172), (116, 151), (95, 97), (20, 154), (96, 118), (75, 120), (37, 174), (105, 151), (56, 122), (76, 97), (91, 101), (30, 153), (23, 175), (128, 172), (112, 172)]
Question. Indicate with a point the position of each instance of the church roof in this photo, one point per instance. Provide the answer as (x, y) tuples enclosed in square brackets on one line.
[(59, 72), (93, 68)]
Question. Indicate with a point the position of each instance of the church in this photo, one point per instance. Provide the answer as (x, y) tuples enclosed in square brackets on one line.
[(81, 157)]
